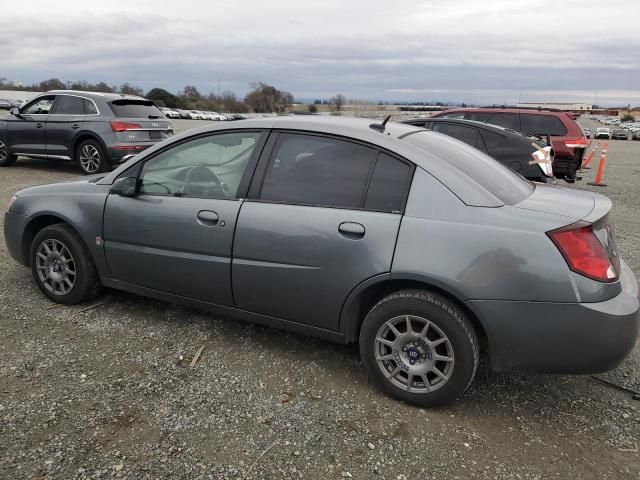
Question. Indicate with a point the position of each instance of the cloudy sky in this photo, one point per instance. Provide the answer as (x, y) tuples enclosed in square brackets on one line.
[(489, 51)]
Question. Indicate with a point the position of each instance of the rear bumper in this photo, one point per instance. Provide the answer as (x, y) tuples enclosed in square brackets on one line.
[(562, 337), (14, 228), (120, 150)]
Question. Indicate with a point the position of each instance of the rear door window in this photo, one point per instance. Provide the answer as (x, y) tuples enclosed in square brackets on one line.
[(468, 135), (506, 120), (135, 109), (313, 170), (543, 125), (492, 139), (389, 184), (69, 105)]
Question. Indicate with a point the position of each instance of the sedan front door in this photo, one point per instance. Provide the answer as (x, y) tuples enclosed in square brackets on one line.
[(324, 219), (176, 235)]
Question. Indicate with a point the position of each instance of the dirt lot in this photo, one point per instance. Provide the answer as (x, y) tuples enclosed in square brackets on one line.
[(109, 392)]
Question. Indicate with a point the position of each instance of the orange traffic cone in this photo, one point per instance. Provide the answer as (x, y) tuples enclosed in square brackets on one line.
[(587, 161), (600, 173)]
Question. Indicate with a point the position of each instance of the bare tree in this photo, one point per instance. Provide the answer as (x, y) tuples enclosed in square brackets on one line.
[(266, 99), (338, 101), (129, 89)]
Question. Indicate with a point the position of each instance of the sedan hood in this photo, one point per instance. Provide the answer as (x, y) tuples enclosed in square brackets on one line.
[(77, 184), (562, 201)]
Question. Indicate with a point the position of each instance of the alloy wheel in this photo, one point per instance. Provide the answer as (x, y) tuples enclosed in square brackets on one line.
[(56, 267), (414, 354), (90, 158)]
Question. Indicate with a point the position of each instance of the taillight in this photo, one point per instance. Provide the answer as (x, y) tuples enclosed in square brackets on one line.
[(583, 252), (123, 126), (580, 142)]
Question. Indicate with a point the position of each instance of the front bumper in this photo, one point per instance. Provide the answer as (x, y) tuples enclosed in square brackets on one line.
[(14, 230), (562, 337)]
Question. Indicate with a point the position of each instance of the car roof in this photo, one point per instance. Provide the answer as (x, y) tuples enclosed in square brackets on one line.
[(105, 96)]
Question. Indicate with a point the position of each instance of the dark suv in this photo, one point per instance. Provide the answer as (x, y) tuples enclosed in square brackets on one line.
[(93, 129), (568, 139)]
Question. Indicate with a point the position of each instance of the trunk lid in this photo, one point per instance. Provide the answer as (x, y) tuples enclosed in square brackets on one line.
[(573, 204)]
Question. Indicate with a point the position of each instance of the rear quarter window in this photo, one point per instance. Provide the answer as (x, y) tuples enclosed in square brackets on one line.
[(135, 109), (493, 176)]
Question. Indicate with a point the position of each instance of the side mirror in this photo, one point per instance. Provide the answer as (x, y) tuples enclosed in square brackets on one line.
[(15, 111), (125, 187)]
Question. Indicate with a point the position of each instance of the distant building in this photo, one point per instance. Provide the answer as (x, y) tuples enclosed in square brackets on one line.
[(559, 106), (576, 108)]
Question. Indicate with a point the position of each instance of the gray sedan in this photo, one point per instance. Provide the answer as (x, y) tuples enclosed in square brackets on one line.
[(419, 247)]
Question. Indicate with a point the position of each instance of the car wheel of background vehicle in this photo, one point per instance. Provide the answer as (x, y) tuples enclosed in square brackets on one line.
[(92, 158), (6, 159), (419, 347), (62, 266)]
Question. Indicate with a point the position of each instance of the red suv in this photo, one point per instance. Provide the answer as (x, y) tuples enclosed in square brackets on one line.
[(567, 138)]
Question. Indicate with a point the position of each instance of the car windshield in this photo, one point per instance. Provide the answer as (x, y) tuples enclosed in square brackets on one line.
[(499, 180)]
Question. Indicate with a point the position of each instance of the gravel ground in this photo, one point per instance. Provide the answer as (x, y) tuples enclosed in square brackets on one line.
[(109, 392)]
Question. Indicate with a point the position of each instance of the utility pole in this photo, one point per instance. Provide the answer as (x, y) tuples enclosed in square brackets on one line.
[(218, 88)]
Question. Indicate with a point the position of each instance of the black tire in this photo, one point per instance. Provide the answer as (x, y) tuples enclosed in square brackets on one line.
[(85, 280), (449, 320), (6, 159), (98, 164)]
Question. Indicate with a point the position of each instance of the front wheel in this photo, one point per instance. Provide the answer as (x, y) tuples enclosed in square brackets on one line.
[(6, 159), (419, 347), (62, 266), (92, 158)]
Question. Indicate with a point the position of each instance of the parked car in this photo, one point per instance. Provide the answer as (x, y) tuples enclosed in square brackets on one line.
[(511, 148), (170, 113), (185, 114), (620, 134), (96, 130), (196, 115), (5, 104), (635, 135), (569, 142), (407, 241), (587, 132), (602, 132)]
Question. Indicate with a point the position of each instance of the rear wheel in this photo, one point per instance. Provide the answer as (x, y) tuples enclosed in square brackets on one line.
[(419, 347), (92, 158), (62, 267), (6, 159)]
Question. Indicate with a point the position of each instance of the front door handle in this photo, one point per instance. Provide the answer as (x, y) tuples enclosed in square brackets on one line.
[(351, 229), (75, 126), (39, 125), (207, 218)]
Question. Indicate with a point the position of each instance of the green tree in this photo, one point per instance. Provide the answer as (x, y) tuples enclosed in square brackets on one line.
[(163, 98), (313, 108), (267, 99), (627, 117)]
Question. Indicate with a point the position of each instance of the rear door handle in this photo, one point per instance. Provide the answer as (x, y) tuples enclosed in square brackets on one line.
[(39, 125), (351, 229), (75, 126), (207, 218)]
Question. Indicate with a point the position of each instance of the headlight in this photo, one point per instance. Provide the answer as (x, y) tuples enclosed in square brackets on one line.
[(13, 199)]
